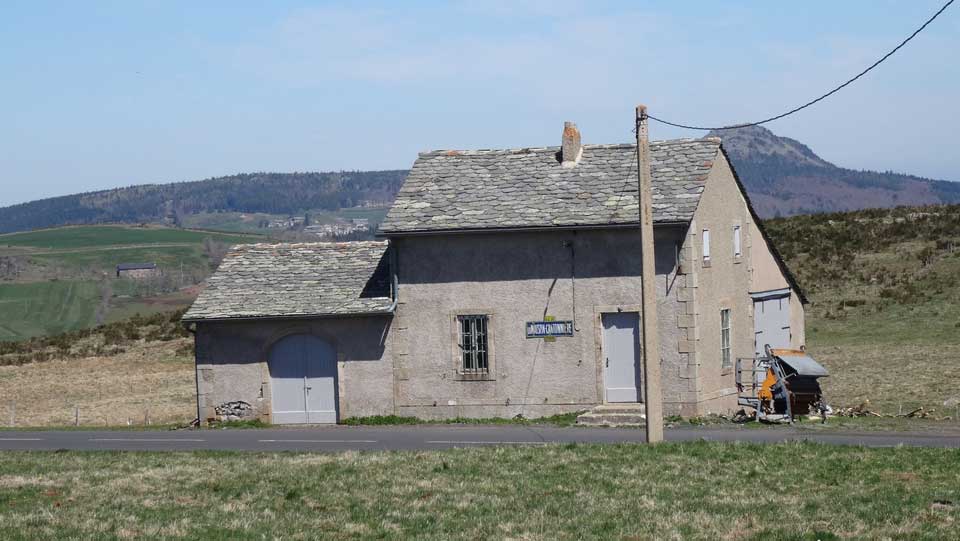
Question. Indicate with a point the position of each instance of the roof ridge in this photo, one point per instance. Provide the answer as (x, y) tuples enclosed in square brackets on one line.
[(529, 150), (316, 244)]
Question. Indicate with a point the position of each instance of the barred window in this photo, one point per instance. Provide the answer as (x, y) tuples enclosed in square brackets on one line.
[(725, 361), (473, 344)]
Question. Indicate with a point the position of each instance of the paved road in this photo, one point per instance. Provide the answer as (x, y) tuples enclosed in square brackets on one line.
[(342, 438)]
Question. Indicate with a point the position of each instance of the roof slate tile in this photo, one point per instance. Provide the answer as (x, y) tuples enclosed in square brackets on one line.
[(297, 279), (516, 188)]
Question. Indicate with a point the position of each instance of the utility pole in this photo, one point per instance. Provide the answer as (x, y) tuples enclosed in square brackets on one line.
[(652, 397)]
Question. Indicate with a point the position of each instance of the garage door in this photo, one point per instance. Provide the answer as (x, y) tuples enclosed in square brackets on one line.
[(303, 376), (771, 317)]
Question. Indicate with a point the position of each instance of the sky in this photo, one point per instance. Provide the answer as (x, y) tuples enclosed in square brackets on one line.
[(99, 94)]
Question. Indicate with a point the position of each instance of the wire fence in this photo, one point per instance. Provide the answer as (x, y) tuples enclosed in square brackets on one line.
[(20, 414)]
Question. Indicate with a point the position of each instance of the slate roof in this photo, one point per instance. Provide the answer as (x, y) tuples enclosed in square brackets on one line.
[(528, 188), (297, 280)]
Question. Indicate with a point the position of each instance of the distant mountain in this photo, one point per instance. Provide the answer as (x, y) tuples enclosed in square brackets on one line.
[(272, 193), (784, 177)]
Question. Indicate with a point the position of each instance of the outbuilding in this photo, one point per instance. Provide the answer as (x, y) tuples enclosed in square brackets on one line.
[(508, 282), (137, 271)]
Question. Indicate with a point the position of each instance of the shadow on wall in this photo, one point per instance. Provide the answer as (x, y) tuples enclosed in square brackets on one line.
[(484, 257)]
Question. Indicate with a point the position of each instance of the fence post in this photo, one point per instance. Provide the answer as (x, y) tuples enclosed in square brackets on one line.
[(146, 416), (13, 413), (76, 415)]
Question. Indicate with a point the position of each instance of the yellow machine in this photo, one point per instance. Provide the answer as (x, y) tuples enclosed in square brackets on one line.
[(781, 384)]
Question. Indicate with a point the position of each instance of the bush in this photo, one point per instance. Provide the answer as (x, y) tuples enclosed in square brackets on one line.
[(106, 339)]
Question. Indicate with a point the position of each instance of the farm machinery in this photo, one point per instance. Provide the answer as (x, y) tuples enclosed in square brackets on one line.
[(781, 384)]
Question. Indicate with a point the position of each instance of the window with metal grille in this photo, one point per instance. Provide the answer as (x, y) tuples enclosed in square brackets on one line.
[(725, 359), (473, 344)]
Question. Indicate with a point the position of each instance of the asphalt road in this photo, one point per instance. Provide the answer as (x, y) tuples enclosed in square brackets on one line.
[(343, 438)]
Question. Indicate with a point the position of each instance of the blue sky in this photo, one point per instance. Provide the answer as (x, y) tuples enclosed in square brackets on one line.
[(104, 94)]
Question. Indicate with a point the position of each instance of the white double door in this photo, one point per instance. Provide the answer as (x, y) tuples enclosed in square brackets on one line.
[(303, 375), (771, 317)]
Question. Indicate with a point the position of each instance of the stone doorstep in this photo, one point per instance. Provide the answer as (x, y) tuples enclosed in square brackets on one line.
[(614, 415)]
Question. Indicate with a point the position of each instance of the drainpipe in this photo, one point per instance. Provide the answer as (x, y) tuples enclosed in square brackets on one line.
[(394, 280)]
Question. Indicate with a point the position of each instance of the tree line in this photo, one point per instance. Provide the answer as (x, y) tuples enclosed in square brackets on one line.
[(271, 193)]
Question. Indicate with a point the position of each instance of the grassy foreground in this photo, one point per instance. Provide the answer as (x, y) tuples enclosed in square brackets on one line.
[(674, 491)]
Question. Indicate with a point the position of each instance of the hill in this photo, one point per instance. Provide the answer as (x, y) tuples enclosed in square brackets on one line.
[(784, 177), (885, 311), (269, 193), (62, 279)]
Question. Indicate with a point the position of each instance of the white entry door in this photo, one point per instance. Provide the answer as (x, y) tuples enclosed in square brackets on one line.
[(771, 319), (621, 356), (303, 376)]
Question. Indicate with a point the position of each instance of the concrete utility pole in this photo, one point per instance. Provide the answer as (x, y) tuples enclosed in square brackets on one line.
[(652, 397)]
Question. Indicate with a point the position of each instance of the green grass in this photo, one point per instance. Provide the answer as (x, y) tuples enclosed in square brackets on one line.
[(45, 308), (166, 257), (60, 288), (629, 492), (100, 236), (885, 311), (561, 419), (237, 222)]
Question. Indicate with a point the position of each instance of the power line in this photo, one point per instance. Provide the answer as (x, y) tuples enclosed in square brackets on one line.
[(811, 102)]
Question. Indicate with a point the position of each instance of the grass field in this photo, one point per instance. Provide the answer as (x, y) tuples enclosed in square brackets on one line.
[(238, 222), (64, 272), (110, 235), (43, 308), (674, 491), (152, 379), (885, 311)]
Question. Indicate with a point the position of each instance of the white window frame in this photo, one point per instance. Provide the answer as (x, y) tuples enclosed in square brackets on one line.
[(726, 358), (706, 245), (737, 241)]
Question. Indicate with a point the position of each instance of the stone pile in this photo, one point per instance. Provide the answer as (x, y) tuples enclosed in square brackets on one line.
[(234, 411)]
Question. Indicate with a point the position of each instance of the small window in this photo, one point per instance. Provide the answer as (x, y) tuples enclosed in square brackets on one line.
[(706, 245), (725, 360), (473, 344), (737, 252)]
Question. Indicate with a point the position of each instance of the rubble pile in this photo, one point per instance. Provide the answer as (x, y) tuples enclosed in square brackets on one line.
[(234, 411), (863, 410)]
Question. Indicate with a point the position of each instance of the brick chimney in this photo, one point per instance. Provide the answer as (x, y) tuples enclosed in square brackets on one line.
[(571, 150)]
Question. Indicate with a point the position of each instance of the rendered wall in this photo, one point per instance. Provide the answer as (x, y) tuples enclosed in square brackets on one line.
[(515, 278), (723, 283), (232, 362)]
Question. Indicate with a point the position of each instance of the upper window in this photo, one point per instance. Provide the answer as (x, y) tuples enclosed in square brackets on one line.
[(725, 360), (473, 344), (706, 245), (737, 251)]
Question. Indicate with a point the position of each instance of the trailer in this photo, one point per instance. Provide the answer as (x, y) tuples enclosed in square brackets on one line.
[(781, 384)]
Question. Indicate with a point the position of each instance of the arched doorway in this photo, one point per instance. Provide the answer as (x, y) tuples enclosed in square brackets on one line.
[(303, 379)]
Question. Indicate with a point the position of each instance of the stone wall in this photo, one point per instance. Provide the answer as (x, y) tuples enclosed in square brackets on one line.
[(515, 278), (722, 282), (138, 274), (232, 363)]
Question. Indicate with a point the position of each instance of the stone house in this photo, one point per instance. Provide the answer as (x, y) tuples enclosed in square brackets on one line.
[(137, 271), (508, 283)]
